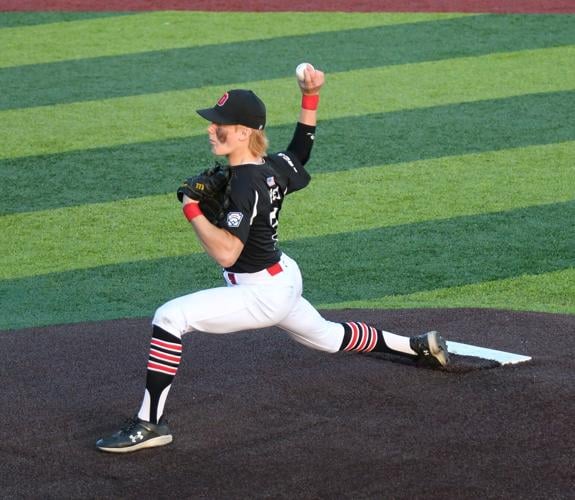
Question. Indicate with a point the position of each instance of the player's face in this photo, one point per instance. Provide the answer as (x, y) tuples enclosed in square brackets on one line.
[(225, 139)]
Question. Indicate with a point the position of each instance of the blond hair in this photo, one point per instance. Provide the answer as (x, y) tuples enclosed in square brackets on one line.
[(258, 144)]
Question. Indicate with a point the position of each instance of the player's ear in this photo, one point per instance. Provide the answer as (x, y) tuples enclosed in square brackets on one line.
[(244, 132)]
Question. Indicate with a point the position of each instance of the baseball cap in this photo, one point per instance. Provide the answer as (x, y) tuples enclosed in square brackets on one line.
[(237, 107)]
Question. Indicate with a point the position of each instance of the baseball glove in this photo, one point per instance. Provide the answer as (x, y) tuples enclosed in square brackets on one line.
[(211, 188)]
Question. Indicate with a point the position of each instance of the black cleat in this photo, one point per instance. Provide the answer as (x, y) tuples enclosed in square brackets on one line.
[(135, 435), (430, 347)]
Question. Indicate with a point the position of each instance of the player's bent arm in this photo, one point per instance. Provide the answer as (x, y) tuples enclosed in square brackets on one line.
[(219, 244)]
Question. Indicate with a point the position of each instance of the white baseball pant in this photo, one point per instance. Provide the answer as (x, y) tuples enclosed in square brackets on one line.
[(272, 297)]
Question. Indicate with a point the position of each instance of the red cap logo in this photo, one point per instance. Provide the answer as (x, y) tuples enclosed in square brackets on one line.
[(223, 99)]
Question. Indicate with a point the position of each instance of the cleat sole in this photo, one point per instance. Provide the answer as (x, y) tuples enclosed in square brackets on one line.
[(150, 443)]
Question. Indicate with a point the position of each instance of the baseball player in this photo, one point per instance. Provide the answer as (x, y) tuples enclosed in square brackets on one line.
[(263, 285)]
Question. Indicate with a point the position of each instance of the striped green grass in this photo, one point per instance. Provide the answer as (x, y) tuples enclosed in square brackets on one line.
[(71, 238), (442, 131), (442, 173), (24, 19), (363, 268), (165, 30), (91, 78), (428, 255), (552, 291), (115, 121)]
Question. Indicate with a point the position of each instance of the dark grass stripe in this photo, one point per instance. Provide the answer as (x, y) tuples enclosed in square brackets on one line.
[(19, 19), (387, 261), (441, 254), (136, 74), (128, 171)]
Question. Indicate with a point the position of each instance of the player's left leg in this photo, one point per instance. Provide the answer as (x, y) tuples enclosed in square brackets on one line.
[(217, 310), (305, 325)]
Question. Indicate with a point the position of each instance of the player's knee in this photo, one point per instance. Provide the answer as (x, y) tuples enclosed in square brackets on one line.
[(170, 318), (325, 343)]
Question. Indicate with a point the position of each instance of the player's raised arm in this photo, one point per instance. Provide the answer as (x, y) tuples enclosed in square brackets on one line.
[(310, 82)]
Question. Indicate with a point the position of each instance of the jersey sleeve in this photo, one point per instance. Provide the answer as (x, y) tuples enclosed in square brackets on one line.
[(292, 176), (302, 142), (237, 219)]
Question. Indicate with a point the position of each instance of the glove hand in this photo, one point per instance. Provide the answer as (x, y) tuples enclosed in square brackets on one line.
[(186, 200), (211, 189), (206, 185)]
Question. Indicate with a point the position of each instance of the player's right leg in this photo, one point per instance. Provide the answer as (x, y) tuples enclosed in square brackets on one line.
[(306, 326)]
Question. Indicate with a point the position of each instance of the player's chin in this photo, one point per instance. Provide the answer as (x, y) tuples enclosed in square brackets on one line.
[(215, 147)]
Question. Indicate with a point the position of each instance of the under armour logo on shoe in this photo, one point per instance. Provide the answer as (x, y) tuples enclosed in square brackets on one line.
[(138, 436)]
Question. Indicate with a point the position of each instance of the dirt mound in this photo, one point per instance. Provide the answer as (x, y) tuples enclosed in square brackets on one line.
[(255, 415)]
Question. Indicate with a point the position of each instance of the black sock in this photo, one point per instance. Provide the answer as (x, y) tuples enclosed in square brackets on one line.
[(163, 363)]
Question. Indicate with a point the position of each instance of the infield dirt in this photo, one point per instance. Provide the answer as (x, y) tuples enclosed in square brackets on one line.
[(255, 415)]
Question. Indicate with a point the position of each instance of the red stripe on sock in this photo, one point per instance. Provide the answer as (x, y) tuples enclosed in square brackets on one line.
[(354, 336), (166, 345), (170, 370), (373, 340), (364, 337), (164, 356)]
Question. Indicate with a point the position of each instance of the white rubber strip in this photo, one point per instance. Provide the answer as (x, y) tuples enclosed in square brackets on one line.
[(505, 358)]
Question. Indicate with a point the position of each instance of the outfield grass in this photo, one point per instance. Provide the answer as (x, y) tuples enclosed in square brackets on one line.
[(92, 77), (110, 122), (442, 131), (155, 31), (442, 174), (71, 238)]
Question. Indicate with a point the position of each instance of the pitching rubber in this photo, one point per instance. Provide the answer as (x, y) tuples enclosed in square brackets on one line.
[(502, 357)]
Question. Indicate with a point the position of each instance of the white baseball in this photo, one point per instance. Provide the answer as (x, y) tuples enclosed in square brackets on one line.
[(299, 71)]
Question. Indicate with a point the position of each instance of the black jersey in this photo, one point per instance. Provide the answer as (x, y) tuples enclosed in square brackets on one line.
[(257, 193)]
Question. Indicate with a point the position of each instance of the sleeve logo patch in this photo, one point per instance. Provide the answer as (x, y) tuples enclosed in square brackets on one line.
[(234, 219)]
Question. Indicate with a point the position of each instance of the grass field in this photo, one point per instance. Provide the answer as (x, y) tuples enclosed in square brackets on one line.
[(443, 172)]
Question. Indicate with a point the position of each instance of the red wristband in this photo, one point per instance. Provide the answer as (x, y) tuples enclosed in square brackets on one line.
[(310, 101), (192, 210)]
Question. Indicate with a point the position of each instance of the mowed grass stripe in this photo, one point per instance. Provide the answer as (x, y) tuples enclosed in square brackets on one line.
[(108, 292), (386, 261), (21, 19), (374, 139), (165, 30), (152, 227), (438, 253), (547, 292), (336, 51), (152, 117)]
